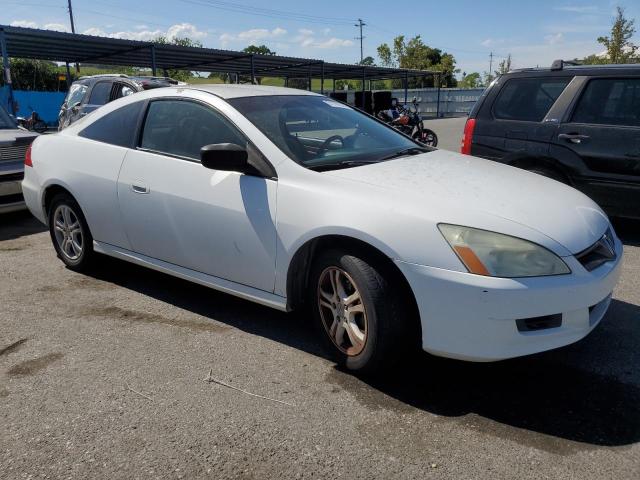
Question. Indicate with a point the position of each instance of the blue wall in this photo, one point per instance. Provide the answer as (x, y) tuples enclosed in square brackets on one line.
[(47, 104)]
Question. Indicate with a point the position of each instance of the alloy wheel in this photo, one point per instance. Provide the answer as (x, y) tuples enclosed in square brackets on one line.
[(68, 232), (342, 311)]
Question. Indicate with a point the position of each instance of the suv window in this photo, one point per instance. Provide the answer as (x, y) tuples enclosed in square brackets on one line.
[(117, 128), (528, 99), (76, 94), (182, 128), (100, 93), (610, 101), (123, 90)]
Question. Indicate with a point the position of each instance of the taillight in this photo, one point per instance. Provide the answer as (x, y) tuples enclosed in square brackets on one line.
[(27, 157), (467, 136)]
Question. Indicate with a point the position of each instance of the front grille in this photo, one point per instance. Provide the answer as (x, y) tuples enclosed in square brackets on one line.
[(8, 199), (12, 177), (539, 323), (601, 252), (12, 153)]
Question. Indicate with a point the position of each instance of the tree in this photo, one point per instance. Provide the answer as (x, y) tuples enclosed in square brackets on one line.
[(28, 74), (415, 54), (620, 48), (369, 61), (181, 75), (471, 80), (258, 50), (504, 66)]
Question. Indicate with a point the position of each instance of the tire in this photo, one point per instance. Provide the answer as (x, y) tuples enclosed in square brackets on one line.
[(549, 173), (377, 314), (428, 137), (70, 233)]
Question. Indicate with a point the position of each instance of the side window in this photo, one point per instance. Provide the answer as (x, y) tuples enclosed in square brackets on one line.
[(610, 101), (123, 90), (181, 128), (117, 128), (76, 94), (100, 93), (528, 99)]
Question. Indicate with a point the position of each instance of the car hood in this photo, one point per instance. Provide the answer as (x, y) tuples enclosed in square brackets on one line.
[(16, 134), (452, 188)]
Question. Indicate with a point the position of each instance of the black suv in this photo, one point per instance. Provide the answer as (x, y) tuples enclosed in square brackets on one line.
[(88, 93), (576, 124)]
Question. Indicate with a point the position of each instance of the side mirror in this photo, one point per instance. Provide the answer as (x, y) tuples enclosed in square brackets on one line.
[(76, 106), (227, 157)]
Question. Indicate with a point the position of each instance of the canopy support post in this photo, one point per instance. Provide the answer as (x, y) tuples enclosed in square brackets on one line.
[(322, 78), (153, 60), (406, 86), (253, 72)]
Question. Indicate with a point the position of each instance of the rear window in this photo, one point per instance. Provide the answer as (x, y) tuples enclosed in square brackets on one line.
[(117, 128), (100, 93), (528, 99), (610, 101)]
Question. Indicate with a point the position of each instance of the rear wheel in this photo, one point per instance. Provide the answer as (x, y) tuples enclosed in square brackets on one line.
[(426, 137), (69, 233), (357, 312)]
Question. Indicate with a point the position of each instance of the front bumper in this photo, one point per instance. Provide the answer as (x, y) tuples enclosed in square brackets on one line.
[(472, 317), (11, 198)]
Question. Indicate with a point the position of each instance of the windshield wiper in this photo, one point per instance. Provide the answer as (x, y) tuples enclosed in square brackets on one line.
[(405, 152), (336, 165)]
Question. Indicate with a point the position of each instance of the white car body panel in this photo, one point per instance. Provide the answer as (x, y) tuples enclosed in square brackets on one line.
[(239, 233)]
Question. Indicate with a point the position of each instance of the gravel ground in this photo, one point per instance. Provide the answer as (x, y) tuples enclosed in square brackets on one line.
[(102, 376)]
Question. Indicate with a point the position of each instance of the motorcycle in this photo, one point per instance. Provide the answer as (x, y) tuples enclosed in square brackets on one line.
[(410, 123), (33, 122)]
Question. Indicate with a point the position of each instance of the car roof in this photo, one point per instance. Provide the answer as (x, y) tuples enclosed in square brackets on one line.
[(568, 69), (226, 90)]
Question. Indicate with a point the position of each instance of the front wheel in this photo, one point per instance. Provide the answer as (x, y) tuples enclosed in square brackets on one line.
[(357, 312), (426, 137), (70, 233)]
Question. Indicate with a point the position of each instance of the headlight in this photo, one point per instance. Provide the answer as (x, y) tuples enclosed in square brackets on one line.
[(498, 255)]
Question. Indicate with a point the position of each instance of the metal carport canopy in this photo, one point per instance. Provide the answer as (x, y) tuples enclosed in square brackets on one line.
[(69, 47)]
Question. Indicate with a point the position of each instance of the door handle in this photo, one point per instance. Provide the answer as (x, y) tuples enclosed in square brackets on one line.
[(573, 137), (139, 188)]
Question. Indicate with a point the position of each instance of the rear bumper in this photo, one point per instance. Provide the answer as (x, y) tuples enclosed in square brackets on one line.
[(472, 317)]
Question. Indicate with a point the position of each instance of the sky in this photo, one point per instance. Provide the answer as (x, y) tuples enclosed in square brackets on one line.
[(533, 32)]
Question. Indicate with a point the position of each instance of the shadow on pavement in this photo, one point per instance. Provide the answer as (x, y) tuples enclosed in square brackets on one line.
[(19, 224), (581, 393)]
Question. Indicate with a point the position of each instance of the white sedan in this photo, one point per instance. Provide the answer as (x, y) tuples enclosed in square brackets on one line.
[(291, 199)]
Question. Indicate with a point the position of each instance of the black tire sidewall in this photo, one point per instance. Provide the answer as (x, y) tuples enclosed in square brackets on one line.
[(373, 290), (87, 248)]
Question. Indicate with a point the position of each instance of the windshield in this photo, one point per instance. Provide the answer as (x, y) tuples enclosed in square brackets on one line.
[(321, 133), (5, 120)]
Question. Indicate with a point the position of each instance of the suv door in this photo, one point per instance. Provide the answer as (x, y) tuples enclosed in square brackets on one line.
[(215, 222), (511, 124), (603, 131)]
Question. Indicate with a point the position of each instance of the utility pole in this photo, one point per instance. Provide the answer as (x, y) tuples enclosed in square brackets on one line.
[(359, 24), (73, 29), (490, 65)]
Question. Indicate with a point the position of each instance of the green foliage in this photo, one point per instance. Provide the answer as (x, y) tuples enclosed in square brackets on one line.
[(415, 54), (259, 50), (471, 80), (369, 61), (620, 48), (28, 74), (504, 66), (181, 75)]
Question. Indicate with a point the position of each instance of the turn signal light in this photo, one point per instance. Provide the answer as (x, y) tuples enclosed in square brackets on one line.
[(27, 157), (467, 136)]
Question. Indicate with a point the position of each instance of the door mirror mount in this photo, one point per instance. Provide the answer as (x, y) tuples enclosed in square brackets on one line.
[(228, 157)]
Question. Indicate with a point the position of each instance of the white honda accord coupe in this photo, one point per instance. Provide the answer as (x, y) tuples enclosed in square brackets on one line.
[(291, 199)]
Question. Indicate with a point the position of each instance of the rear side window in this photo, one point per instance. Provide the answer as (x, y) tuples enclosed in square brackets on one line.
[(528, 99), (610, 101), (117, 128), (76, 94), (100, 93), (182, 128)]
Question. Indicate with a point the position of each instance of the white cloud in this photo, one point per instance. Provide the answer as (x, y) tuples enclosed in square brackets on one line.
[(333, 42), (179, 30), (56, 26), (251, 36), (24, 24), (577, 9), (305, 32), (554, 39)]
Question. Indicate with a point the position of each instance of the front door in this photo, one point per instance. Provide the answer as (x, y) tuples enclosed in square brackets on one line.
[(175, 210), (604, 131)]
